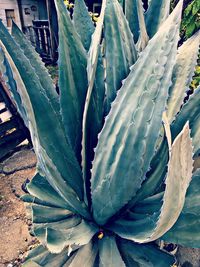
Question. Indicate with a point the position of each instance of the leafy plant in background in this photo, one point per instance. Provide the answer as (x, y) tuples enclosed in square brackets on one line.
[(191, 19), (189, 25), (111, 176)]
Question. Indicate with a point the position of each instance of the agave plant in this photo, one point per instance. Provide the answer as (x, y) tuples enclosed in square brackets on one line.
[(115, 150)]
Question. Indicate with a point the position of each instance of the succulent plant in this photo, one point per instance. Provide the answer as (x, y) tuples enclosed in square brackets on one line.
[(115, 149)]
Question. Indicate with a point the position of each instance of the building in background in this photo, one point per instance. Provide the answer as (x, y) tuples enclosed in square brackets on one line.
[(37, 19)]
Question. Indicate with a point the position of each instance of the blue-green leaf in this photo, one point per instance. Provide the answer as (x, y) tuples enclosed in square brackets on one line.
[(179, 175), (7, 74), (83, 23), (41, 257), (136, 129), (42, 190), (86, 256), (94, 104), (38, 65), (182, 75), (132, 17), (189, 112), (192, 203), (144, 255), (72, 78), (143, 37), (137, 227), (155, 176), (156, 14), (120, 52), (109, 255), (184, 232), (57, 240), (56, 160)]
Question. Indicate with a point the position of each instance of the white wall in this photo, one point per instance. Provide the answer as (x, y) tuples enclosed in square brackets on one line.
[(33, 14), (9, 4)]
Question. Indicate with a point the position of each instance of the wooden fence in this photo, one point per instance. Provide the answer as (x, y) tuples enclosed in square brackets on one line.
[(39, 35)]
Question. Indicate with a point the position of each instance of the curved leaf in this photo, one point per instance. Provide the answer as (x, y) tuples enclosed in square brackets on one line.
[(42, 190), (143, 37), (156, 14), (158, 168), (192, 203), (137, 227), (179, 175), (41, 257), (93, 109), (83, 23), (182, 74), (120, 52), (152, 226), (6, 72), (86, 256), (189, 112), (136, 129), (132, 17), (56, 159), (38, 65), (57, 240), (185, 230), (144, 255), (109, 254), (72, 78)]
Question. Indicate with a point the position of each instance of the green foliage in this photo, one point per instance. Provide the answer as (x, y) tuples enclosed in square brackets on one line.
[(191, 20), (115, 156)]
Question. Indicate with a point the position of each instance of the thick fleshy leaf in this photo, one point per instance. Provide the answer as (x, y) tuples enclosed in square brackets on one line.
[(137, 227), (132, 17), (59, 226), (192, 108), (144, 255), (38, 66), (149, 205), (192, 203), (156, 14), (158, 167), (41, 189), (56, 159), (179, 176), (86, 256), (72, 78), (7, 76), (109, 255), (135, 130), (143, 37), (120, 52), (93, 109), (83, 23), (41, 257), (81, 234), (182, 74), (185, 230), (153, 225), (49, 214)]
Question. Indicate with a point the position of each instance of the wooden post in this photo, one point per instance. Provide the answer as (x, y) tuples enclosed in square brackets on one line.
[(20, 13), (53, 28)]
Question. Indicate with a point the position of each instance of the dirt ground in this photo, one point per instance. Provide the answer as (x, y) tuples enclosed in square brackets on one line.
[(15, 239)]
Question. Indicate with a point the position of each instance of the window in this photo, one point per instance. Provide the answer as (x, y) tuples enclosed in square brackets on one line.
[(10, 15)]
